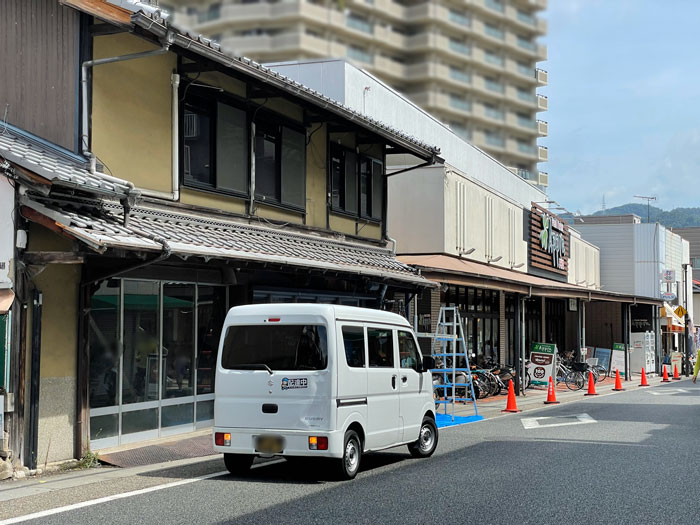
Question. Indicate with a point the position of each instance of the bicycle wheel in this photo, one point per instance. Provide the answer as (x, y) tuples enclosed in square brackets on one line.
[(602, 372), (528, 380), (596, 375), (574, 380)]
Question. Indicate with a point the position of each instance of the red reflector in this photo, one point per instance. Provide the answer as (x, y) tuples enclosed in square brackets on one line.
[(322, 443), (274, 319), (219, 439)]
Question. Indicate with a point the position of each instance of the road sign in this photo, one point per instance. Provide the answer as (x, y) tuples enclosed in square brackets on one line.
[(668, 296), (680, 311)]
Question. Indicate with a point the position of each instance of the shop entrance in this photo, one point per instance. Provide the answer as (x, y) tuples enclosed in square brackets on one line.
[(152, 347)]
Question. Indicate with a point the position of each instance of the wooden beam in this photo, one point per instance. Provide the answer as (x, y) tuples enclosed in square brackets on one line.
[(53, 258)]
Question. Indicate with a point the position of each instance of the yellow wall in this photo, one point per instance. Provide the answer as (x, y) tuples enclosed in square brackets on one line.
[(59, 284), (131, 115), (316, 182)]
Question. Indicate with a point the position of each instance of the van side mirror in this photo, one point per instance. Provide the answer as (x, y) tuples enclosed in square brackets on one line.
[(428, 362)]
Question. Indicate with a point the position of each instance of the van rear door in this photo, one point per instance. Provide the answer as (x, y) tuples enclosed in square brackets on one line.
[(275, 375)]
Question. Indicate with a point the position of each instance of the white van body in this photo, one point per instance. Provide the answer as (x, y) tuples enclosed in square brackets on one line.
[(384, 401)]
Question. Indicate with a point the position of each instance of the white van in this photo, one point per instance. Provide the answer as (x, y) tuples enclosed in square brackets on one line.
[(320, 380)]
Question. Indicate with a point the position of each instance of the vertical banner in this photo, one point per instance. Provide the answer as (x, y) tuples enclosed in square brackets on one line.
[(617, 361), (542, 362)]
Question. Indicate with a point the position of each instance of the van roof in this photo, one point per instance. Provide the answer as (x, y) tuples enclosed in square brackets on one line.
[(334, 311)]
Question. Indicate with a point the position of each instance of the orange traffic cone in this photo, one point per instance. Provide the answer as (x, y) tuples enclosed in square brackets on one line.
[(676, 377), (591, 385), (551, 397), (618, 383), (510, 404), (665, 379), (644, 379)]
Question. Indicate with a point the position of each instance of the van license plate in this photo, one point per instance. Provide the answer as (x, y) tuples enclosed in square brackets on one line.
[(269, 444)]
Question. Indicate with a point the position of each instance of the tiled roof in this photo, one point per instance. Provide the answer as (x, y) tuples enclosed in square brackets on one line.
[(99, 224), (55, 164), (152, 21)]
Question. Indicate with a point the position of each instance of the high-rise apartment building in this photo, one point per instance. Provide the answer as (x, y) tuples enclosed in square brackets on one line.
[(471, 63)]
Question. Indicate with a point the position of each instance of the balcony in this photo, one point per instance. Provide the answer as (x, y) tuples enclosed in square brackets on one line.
[(459, 18), (526, 122), (495, 141), (541, 76), (389, 68), (542, 128), (542, 103), (526, 96), (459, 103), (459, 47), (542, 154), (495, 5), (494, 32), (527, 149), (492, 85), (460, 75)]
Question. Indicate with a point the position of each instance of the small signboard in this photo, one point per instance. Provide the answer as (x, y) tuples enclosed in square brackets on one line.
[(542, 362), (668, 276), (617, 361), (668, 296), (677, 361), (680, 311), (603, 355)]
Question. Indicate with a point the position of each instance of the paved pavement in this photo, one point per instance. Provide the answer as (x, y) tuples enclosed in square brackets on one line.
[(625, 457)]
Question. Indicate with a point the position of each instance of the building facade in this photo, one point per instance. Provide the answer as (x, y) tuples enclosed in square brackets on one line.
[(181, 181), (470, 64)]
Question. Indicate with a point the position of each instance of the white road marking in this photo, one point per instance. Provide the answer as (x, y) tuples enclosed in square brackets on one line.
[(667, 392), (92, 502), (534, 422)]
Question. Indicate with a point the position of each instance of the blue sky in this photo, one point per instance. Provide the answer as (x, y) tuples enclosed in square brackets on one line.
[(624, 102)]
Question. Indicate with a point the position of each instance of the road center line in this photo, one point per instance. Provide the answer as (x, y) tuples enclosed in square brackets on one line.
[(105, 499)]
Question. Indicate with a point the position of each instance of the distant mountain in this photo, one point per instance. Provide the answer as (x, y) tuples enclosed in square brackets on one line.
[(675, 218)]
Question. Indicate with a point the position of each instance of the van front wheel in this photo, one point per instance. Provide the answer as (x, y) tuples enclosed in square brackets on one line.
[(238, 463), (427, 440), (352, 455)]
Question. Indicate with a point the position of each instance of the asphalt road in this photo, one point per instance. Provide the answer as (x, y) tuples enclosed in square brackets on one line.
[(629, 457)]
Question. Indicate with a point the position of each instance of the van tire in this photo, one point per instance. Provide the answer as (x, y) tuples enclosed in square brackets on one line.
[(238, 464), (349, 464), (427, 440)]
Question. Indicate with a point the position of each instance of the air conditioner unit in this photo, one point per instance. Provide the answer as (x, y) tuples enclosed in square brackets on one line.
[(543, 178)]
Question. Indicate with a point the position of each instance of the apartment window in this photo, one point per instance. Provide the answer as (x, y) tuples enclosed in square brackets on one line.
[(525, 69), (280, 162), (494, 139), (525, 43), (460, 130), (459, 17), (526, 121), (524, 147), (494, 85), (357, 183), (460, 47), (360, 23), (494, 31), (526, 95), (212, 13), (493, 58), (525, 18), (215, 145), (460, 75), (493, 112), (359, 53), (496, 5), (459, 102)]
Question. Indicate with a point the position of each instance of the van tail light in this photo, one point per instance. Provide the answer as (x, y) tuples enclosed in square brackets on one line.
[(222, 439), (318, 443)]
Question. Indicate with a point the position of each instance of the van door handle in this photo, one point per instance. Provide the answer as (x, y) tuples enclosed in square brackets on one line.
[(393, 382)]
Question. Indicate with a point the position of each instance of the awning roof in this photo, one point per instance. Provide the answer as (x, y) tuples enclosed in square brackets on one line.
[(455, 270), (6, 298), (99, 224)]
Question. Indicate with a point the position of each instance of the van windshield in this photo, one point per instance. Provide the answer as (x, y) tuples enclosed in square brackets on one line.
[(277, 347)]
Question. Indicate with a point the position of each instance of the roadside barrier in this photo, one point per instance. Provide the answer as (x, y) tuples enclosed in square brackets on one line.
[(618, 382), (511, 406), (676, 377), (644, 379), (665, 379), (591, 385), (551, 397)]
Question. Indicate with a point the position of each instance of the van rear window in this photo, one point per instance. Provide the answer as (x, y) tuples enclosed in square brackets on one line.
[(275, 347)]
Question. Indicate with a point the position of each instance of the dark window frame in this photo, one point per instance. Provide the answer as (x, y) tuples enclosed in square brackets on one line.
[(359, 160)]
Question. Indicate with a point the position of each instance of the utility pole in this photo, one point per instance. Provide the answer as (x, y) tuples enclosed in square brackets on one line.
[(648, 199), (685, 321)]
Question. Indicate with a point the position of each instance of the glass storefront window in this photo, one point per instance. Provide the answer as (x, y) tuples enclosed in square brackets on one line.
[(139, 421), (103, 346), (178, 340), (211, 311), (175, 415), (102, 427), (141, 367)]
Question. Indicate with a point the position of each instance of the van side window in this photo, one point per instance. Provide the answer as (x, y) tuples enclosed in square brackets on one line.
[(380, 347), (408, 353), (354, 341)]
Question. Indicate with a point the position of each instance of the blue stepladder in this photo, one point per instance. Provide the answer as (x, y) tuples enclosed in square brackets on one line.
[(450, 351)]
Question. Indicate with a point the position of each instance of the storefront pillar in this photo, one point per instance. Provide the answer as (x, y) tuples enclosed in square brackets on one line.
[(579, 328), (626, 323), (518, 332), (543, 328)]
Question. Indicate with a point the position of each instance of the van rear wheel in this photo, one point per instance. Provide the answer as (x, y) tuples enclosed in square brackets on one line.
[(427, 440), (238, 463), (352, 455)]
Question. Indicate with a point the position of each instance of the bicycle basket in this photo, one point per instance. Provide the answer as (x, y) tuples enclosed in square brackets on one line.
[(579, 367), (592, 361)]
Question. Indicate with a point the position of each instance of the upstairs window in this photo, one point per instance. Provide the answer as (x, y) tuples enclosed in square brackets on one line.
[(357, 183), (215, 146)]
